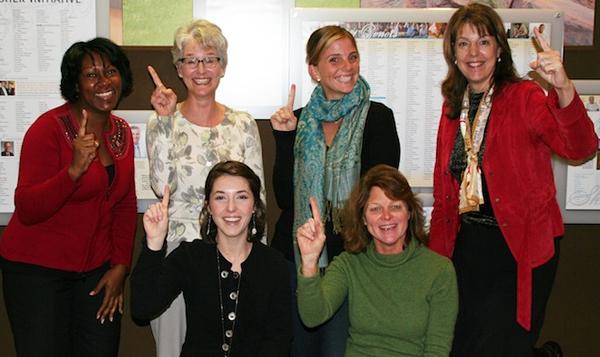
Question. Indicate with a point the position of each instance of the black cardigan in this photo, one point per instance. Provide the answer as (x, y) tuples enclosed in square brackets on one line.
[(263, 324), (380, 145)]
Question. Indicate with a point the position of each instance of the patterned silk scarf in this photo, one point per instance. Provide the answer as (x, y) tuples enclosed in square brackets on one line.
[(470, 193), (328, 174)]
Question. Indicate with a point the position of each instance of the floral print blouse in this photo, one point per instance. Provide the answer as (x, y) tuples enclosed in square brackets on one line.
[(182, 153)]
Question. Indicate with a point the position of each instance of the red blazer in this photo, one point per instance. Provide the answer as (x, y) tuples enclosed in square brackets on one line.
[(525, 128), (72, 226)]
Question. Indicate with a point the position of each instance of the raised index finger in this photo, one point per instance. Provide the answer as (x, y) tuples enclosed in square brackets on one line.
[(82, 127), (544, 45), (316, 213), (155, 77), (166, 196), (291, 97)]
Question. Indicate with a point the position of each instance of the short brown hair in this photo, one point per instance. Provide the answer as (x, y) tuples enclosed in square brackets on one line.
[(396, 187), (232, 168), (322, 38), (487, 21)]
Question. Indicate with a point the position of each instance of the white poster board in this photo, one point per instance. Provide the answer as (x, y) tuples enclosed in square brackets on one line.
[(578, 184), (35, 36)]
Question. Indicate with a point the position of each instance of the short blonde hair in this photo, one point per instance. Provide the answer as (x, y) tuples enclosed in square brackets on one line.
[(206, 34)]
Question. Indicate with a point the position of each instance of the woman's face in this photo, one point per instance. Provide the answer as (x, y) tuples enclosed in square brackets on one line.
[(338, 69), (99, 84), (476, 57), (231, 205), (200, 78), (386, 221)]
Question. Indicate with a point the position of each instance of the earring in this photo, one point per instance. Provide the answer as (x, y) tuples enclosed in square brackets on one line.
[(253, 230), (499, 59), (208, 226), (455, 62)]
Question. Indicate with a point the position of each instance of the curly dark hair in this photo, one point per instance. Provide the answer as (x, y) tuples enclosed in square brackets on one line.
[(70, 68), (232, 168), (396, 187), (487, 21)]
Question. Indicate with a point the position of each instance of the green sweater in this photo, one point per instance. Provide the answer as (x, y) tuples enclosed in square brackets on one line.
[(400, 305)]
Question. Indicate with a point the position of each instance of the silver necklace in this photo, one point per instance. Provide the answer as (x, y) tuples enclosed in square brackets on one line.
[(227, 333)]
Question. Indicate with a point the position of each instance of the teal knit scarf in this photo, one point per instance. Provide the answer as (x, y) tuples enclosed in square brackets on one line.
[(328, 175)]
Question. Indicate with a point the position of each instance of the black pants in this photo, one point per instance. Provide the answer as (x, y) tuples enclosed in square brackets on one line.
[(52, 314), (487, 283)]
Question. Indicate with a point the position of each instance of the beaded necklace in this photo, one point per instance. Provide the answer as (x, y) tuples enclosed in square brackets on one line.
[(227, 333)]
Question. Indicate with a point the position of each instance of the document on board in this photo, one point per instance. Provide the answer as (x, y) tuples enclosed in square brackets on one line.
[(34, 37), (583, 181), (143, 190)]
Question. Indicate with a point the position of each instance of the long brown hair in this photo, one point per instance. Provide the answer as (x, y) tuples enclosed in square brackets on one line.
[(487, 22), (396, 187)]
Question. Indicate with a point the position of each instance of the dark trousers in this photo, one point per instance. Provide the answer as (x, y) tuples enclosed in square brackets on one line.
[(52, 314), (487, 283), (326, 340)]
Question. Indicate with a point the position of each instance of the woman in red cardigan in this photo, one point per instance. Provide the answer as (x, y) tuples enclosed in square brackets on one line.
[(67, 248), (495, 211)]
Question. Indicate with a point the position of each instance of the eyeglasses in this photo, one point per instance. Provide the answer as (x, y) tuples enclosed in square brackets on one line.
[(192, 62)]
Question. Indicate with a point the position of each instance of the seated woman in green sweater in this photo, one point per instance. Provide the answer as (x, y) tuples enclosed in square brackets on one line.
[(403, 297)]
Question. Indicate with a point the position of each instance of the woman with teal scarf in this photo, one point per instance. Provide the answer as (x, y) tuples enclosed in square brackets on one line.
[(322, 150)]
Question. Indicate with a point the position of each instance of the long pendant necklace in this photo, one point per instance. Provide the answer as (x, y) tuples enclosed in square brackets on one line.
[(227, 333)]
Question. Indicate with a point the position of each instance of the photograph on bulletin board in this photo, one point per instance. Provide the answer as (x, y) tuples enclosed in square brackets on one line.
[(579, 14)]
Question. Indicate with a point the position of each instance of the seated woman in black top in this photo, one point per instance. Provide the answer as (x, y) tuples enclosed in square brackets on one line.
[(236, 290)]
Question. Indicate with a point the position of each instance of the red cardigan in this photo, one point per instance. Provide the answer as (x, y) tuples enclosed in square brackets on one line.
[(524, 129), (67, 225)]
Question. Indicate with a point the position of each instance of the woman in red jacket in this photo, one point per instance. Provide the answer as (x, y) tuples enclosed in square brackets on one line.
[(67, 248), (495, 211)]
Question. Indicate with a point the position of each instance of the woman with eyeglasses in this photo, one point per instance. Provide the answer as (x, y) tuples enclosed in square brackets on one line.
[(322, 150), (185, 140)]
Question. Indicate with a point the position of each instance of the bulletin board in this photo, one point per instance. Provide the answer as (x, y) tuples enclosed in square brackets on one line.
[(405, 72)]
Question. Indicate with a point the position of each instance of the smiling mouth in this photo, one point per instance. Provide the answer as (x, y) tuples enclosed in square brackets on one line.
[(344, 79), (387, 227), (105, 95), (475, 64), (231, 219), (201, 81)]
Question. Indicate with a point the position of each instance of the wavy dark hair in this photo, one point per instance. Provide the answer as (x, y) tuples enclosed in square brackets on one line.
[(70, 68), (232, 168), (487, 22), (396, 187)]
